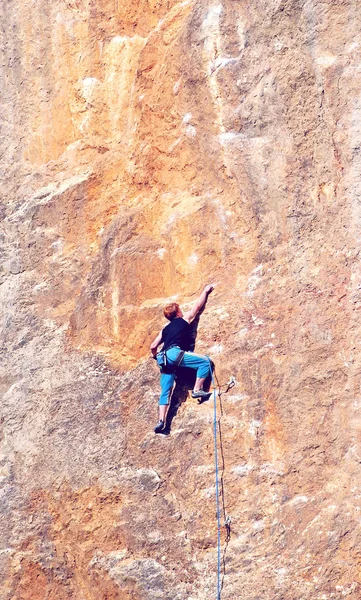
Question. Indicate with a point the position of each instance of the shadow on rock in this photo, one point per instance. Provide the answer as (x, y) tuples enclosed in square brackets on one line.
[(185, 381)]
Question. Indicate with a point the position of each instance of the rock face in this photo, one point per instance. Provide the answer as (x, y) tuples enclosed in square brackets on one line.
[(149, 148)]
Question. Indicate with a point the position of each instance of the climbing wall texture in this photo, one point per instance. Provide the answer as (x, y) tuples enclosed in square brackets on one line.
[(149, 148)]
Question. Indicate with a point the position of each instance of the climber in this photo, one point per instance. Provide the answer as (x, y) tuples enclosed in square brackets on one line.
[(175, 337)]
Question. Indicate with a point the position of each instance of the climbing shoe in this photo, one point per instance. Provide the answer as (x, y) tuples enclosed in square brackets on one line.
[(165, 431), (159, 426), (201, 394)]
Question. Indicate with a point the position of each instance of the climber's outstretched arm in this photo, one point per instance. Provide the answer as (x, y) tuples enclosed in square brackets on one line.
[(154, 345), (197, 307)]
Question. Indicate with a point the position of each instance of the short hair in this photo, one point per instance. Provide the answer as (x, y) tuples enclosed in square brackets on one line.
[(171, 310)]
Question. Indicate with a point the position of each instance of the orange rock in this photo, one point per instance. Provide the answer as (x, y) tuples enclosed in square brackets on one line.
[(149, 148)]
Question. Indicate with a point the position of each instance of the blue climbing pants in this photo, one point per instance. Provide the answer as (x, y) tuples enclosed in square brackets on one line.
[(191, 360)]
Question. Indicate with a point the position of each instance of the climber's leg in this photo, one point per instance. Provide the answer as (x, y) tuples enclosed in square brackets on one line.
[(203, 367), (166, 384)]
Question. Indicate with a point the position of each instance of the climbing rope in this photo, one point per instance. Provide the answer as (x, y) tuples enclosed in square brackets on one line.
[(218, 515), (227, 521)]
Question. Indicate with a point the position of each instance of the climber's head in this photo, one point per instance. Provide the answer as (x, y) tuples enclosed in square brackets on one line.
[(172, 311)]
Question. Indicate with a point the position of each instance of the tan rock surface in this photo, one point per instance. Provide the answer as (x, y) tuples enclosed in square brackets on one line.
[(148, 148)]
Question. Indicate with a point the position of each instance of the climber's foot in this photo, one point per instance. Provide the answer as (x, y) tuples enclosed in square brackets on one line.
[(159, 426), (201, 394), (165, 431)]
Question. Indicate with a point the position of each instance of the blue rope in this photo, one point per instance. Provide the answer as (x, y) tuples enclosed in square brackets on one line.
[(217, 486)]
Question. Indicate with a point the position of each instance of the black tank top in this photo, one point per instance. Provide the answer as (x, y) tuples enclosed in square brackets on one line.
[(177, 333)]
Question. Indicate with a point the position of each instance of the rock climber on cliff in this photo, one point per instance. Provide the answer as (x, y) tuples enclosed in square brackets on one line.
[(176, 337)]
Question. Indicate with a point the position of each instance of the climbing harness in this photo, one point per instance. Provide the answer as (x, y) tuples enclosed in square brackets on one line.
[(164, 365), (227, 521)]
